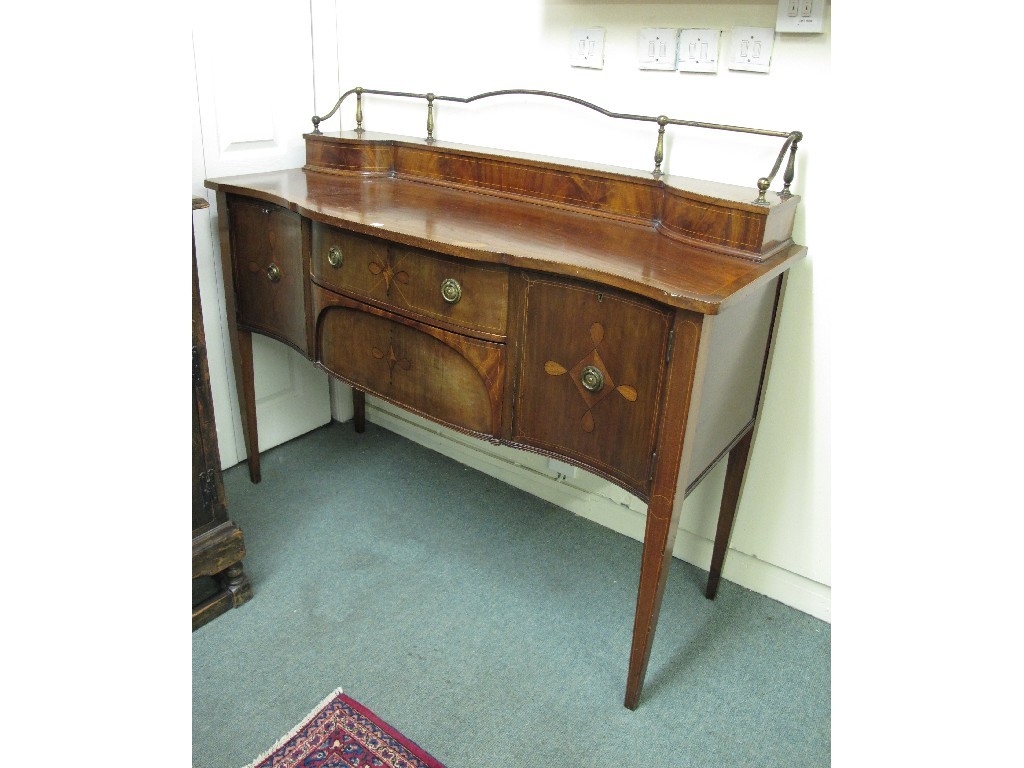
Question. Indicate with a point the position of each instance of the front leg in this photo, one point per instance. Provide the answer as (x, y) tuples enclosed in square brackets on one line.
[(235, 581), (657, 556), (241, 343), (247, 396), (359, 405), (688, 359)]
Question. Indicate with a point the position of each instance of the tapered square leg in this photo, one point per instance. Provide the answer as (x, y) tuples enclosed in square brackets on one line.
[(734, 472), (359, 404), (657, 556), (247, 393)]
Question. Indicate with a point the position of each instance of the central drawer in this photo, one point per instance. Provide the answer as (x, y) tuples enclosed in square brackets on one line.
[(465, 296)]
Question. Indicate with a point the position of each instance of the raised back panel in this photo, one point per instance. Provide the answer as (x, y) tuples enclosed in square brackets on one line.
[(715, 216)]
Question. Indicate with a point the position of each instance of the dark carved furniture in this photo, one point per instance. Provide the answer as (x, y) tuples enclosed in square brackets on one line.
[(217, 543), (616, 320)]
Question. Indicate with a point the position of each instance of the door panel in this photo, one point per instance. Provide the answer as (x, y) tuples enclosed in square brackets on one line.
[(590, 382), (267, 237), (254, 69)]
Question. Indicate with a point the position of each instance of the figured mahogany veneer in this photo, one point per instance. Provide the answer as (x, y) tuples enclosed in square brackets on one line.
[(269, 236), (407, 280), (704, 213), (610, 430), (618, 322), (446, 376)]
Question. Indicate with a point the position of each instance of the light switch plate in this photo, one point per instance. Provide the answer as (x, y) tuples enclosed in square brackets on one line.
[(698, 50), (800, 16), (656, 48), (587, 48), (751, 48)]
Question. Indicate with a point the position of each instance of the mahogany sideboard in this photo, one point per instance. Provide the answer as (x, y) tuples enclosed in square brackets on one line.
[(616, 320)]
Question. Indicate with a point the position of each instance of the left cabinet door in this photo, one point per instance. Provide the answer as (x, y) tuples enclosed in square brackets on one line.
[(268, 264)]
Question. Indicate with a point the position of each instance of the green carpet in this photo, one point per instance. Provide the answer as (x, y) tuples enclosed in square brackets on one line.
[(489, 626)]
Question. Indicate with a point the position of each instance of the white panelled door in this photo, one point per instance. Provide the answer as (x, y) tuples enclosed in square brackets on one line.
[(255, 80)]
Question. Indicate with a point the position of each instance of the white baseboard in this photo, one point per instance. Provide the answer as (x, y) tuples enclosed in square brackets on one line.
[(610, 507)]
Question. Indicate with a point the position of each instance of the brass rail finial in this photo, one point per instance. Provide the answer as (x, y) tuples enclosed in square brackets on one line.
[(659, 152), (787, 177), (430, 118)]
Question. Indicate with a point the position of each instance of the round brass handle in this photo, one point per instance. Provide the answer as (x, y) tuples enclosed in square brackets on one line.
[(592, 379), (274, 273), (451, 291), (334, 256)]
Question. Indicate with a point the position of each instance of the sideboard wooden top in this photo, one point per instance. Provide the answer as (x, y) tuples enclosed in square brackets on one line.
[(587, 222)]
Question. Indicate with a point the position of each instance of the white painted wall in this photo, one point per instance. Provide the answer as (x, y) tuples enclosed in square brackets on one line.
[(781, 541)]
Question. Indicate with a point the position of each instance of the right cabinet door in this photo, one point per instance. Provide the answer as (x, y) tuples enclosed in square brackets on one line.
[(591, 373)]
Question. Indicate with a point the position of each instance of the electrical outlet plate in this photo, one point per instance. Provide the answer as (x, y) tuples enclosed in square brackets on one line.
[(751, 48), (656, 48), (562, 470), (587, 48), (800, 16), (698, 50)]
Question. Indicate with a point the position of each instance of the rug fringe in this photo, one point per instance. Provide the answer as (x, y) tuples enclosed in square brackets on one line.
[(284, 739)]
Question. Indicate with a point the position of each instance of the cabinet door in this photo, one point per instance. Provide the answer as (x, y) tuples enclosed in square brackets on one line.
[(208, 505), (203, 508), (266, 245), (591, 378)]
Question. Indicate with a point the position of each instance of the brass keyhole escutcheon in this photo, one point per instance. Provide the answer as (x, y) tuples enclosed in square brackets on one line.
[(334, 256), (273, 273), (451, 291), (592, 379)]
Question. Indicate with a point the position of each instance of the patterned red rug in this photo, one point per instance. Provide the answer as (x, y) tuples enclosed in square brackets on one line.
[(341, 733)]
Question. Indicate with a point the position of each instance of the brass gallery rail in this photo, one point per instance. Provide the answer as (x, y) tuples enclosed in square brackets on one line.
[(792, 139)]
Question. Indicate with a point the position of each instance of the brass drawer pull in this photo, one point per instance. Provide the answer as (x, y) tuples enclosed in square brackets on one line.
[(451, 291), (334, 257), (274, 273), (592, 379)]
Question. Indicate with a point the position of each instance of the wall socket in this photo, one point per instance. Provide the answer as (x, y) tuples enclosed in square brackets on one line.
[(751, 48), (586, 48), (656, 48), (562, 470), (698, 50), (800, 16)]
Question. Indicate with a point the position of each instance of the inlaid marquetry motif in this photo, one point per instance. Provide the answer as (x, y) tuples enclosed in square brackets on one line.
[(392, 359), (389, 277), (578, 372)]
